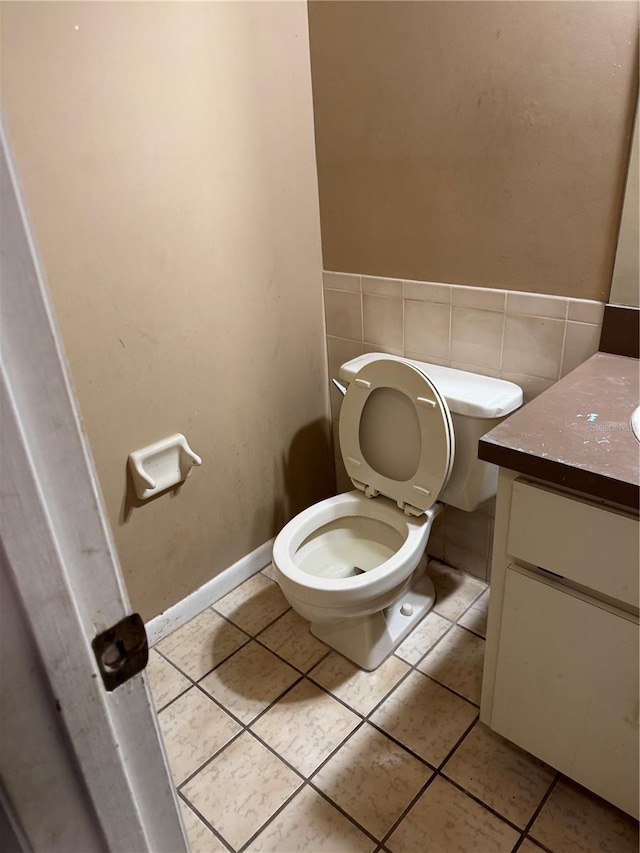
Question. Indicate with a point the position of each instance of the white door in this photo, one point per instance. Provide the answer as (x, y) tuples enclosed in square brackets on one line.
[(83, 768)]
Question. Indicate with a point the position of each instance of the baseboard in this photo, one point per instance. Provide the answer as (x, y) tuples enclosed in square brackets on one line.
[(169, 620)]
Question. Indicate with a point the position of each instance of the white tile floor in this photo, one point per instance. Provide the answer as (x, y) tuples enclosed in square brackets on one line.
[(278, 744)]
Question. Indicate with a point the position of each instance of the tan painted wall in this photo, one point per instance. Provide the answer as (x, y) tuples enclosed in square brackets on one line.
[(479, 143), (166, 152), (625, 286)]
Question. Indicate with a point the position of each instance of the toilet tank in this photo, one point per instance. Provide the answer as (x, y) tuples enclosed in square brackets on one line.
[(477, 403)]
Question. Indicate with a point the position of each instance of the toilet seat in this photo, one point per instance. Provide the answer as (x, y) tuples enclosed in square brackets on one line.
[(396, 435)]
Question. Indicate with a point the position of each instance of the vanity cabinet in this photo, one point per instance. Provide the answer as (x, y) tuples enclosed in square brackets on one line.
[(562, 659)]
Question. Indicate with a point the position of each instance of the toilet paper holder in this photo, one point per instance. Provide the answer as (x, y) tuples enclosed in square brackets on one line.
[(161, 465)]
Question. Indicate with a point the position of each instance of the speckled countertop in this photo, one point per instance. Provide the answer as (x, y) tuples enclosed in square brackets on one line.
[(578, 433)]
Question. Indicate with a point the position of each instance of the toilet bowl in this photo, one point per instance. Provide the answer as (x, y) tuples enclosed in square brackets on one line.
[(348, 556), (354, 564)]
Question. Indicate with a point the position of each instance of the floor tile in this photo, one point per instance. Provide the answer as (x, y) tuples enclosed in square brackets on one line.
[(202, 643), (475, 618), (305, 726), (457, 662), (201, 839), (425, 717), (573, 820), (193, 728), (423, 637), (241, 788), (500, 774), (455, 590), (372, 779), (359, 689), (291, 638), (528, 846), (247, 682), (270, 572), (444, 819), (309, 824), (253, 604), (164, 680)]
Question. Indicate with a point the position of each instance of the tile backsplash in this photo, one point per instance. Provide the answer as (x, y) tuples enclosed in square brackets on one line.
[(526, 338)]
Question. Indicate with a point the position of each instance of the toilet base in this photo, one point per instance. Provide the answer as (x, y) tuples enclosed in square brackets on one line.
[(369, 640)]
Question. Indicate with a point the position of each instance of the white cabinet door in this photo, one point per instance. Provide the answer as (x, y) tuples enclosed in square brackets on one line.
[(566, 686)]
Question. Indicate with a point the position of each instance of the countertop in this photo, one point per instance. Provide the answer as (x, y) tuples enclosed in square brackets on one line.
[(578, 434)]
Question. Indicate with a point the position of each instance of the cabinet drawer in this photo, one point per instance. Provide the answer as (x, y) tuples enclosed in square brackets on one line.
[(566, 685), (586, 543)]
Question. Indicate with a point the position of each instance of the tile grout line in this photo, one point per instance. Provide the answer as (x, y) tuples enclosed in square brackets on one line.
[(422, 790), (363, 718), (201, 817), (541, 805)]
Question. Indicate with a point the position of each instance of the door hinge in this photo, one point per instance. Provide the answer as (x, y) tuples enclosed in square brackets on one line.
[(121, 651)]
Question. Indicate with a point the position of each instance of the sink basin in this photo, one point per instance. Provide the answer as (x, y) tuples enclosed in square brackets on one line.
[(635, 423)]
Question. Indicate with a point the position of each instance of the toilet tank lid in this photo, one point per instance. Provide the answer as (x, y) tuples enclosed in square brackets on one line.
[(466, 393)]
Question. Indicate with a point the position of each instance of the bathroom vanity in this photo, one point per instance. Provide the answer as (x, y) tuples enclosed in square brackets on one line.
[(561, 665)]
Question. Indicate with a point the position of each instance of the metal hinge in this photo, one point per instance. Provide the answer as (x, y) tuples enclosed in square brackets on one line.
[(121, 651)]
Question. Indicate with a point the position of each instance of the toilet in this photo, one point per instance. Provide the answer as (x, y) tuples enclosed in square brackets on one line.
[(354, 564)]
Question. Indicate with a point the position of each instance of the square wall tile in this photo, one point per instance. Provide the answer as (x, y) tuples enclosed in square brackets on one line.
[(468, 530), (467, 561), (310, 824), (340, 281), (247, 682), (537, 305), (476, 336), (338, 352), (193, 729), (500, 774), (372, 779), (382, 320), (241, 788), (380, 348), (382, 286), (581, 342), (426, 328), (586, 311), (343, 314), (305, 726), (202, 643), (445, 819), (475, 368), (533, 346), (485, 298), (428, 291), (531, 385), (424, 717)]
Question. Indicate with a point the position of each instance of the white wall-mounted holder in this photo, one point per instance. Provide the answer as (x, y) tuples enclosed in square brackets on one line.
[(161, 465)]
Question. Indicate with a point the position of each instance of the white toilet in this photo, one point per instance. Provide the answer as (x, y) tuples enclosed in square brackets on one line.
[(353, 564)]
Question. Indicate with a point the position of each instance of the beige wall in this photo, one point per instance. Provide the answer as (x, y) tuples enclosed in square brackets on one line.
[(479, 143), (166, 152), (625, 286)]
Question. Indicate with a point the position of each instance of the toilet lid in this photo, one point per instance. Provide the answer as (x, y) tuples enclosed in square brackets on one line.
[(396, 434)]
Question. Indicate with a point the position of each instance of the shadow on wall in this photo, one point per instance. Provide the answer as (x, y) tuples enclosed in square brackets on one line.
[(308, 469), (131, 501), (307, 473)]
